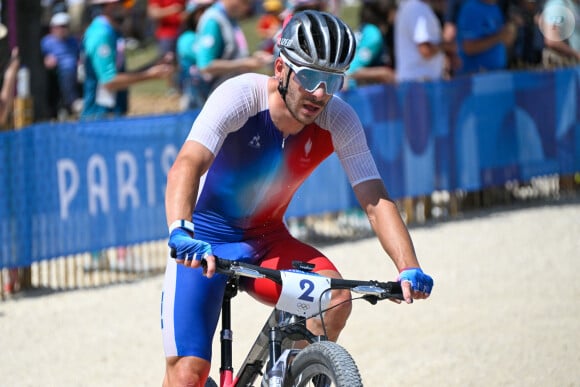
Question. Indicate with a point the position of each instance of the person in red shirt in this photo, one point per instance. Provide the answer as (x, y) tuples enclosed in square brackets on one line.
[(168, 16)]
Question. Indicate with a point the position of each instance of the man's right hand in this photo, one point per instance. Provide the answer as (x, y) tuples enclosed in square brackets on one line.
[(187, 250)]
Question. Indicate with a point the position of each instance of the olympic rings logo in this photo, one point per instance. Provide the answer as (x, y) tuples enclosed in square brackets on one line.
[(302, 306)]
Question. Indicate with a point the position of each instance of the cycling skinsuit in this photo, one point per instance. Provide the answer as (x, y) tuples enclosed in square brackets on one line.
[(243, 198)]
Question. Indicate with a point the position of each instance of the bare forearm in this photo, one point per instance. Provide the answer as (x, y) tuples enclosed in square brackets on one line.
[(393, 234), (428, 50), (182, 187), (220, 67), (374, 74), (258, 60), (156, 13), (125, 80), (562, 48), (387, 223), (473, 47)]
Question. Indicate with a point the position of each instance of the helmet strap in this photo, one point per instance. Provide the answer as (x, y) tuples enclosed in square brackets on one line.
[(283, 90)]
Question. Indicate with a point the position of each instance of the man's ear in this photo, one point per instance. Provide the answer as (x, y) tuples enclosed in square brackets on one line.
[(279, 68)]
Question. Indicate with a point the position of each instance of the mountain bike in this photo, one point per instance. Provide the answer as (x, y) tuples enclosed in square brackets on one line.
[(273, 356)]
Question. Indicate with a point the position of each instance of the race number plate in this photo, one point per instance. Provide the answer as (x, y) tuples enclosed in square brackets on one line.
[(301, 293)]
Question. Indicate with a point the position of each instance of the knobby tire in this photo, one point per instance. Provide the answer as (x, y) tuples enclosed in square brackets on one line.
[(323, 359)]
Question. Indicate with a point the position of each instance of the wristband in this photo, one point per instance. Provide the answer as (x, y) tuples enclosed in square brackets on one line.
[(184, 224)]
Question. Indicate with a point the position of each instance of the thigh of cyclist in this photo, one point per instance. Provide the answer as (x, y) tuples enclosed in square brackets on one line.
[(279, 251)]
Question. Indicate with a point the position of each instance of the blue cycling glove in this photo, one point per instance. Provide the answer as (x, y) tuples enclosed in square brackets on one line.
[(186, 247), (420, 281)]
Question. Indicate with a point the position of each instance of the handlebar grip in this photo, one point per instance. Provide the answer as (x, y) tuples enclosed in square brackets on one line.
[(221, 265), (393, 288)]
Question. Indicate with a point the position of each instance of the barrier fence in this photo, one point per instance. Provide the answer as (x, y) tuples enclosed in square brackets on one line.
[(68, 189)]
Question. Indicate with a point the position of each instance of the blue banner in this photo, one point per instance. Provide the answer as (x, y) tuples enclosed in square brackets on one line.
[(74, 187)]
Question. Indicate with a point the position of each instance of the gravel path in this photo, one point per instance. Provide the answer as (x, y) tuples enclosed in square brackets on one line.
[(504, 312)]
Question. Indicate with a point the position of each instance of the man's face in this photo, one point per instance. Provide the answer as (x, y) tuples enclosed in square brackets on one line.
[(61, 31), (304, 106)]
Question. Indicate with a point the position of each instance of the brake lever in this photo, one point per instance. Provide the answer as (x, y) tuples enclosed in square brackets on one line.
[(371, 299)]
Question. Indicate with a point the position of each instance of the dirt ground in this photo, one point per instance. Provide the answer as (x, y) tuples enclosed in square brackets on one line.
[(504, 312)]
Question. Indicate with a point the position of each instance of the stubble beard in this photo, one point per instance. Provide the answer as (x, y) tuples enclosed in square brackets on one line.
[(293, 105)]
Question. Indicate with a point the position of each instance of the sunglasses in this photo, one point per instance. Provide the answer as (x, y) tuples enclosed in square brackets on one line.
[(311, 79)]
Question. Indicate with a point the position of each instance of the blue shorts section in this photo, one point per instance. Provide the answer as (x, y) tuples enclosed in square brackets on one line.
[(196, 304)]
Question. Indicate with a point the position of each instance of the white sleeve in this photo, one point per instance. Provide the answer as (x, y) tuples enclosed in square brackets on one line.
[(228, 108), (349, 140), (426, 29)]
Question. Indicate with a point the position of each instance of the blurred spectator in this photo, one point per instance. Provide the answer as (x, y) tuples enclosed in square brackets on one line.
[(303, 5), (7, 92), (223, 49), (561, 27), (448, 35), (193, 85), (483, 37), (269, 24), (61, 53), (167, 16), (419, 47), (76, 10), (106, 79), (294, 6), (529, 42), (450, 17), (374, 44)]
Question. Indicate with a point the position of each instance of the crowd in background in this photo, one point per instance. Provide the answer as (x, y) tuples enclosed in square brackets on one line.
[(200, 43)]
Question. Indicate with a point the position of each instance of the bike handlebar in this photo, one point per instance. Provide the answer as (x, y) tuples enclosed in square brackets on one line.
[(372, 290)]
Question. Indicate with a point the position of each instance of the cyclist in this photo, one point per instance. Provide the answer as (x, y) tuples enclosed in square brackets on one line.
[(254, 142)]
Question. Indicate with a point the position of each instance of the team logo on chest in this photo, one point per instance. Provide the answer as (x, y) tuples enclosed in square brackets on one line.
[(305, 156), (307, 148), (255, 142)]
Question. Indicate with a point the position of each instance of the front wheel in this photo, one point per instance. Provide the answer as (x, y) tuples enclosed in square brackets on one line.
[(323, 364)]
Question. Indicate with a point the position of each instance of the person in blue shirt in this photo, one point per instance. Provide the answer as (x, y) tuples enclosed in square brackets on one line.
[(374, 58), (61, 56), (483, 37), (195, 87), (106, 79)]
